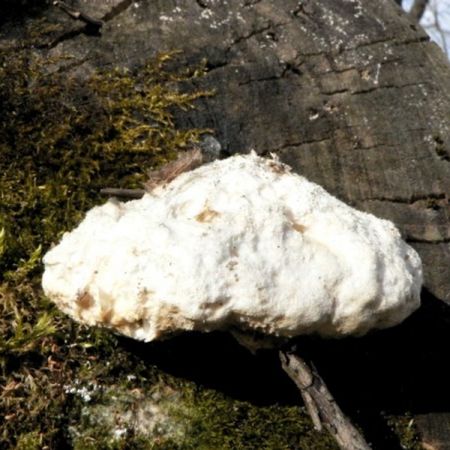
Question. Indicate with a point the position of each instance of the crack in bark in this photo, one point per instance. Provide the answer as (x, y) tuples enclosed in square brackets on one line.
[(394, 41), (415, 240), (251, 3), (287, 68), (201, 4), (239, 39), (292, 68), (302, 11), (372, 89), (344, 50), (440, 149), (300, 143), (357, 146), (388, 86), (210, 67), (409, 200), (245, 37), (258, 80), (336, 92)]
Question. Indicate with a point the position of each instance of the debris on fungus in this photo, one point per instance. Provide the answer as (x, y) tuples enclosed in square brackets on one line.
[(243, 244)]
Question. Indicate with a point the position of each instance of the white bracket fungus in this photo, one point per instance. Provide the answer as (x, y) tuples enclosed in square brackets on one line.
[(239, 243)]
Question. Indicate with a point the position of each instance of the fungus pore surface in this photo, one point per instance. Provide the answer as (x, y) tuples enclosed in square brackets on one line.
[(243, 244)]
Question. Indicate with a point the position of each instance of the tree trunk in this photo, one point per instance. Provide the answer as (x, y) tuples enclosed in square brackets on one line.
[(350, 93)]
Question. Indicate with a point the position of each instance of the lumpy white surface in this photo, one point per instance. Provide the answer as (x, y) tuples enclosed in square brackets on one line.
[(240, 243)]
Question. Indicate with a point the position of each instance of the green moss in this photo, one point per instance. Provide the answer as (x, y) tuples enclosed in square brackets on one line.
[(29, 441), (174, 414), (216, 422), (62, 140), (406, 430)]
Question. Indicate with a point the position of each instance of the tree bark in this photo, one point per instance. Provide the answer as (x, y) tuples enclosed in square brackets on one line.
[(436, 431), (351, 94)]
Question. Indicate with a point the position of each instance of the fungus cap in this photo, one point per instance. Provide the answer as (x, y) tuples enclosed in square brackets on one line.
[(240, 243)]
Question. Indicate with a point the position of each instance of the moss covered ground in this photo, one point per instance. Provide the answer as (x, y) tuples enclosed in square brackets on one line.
[(63, 385)]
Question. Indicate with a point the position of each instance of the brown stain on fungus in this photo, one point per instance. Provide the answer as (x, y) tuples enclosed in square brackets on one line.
[(169, 319), (295, 225), (126, 326), (85, 301), (277, 167), (145, 294), (212, 306), (206, 216), (298, 227), (106, 316)]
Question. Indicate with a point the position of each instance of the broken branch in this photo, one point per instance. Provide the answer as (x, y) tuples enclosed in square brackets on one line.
[(124, 193), (418, 9), (320, 404)]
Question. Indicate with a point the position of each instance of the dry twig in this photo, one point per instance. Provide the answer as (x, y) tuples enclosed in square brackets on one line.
[(319, 402), (417, 10), (124, 193), (185, 162)]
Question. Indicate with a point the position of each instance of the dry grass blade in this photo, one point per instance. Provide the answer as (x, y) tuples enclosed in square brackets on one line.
[(187, 161)]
